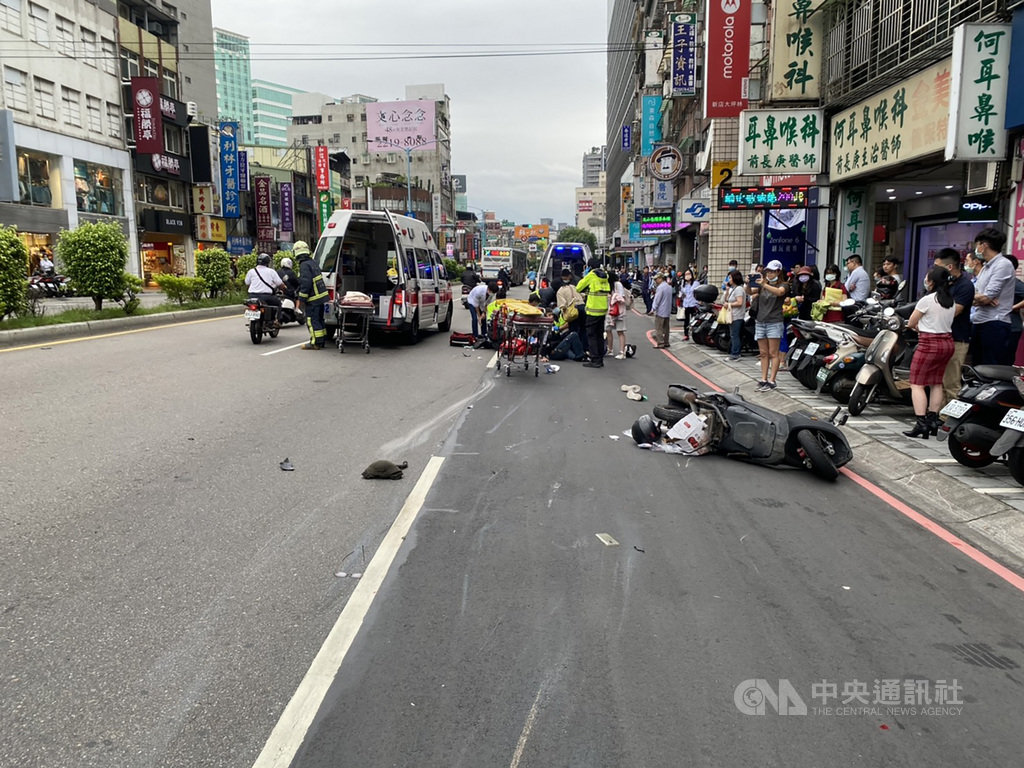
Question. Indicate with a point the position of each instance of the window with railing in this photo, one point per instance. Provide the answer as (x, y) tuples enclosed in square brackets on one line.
[(15, 89), (65, 36), (39, 24), (10, 16), (43, 91)]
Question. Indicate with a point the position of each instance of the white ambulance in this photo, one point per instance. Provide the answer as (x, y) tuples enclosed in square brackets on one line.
[(394, 260)]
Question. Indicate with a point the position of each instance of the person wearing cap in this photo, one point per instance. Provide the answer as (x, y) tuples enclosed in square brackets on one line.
[(312, 296), (808, 291), (262, 282), (858, 282), (768, 322)]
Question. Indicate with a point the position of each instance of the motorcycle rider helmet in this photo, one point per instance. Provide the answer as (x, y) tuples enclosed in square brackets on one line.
[(263, 260), (286, 263), (645, 431), (301, 248), (887, 287)]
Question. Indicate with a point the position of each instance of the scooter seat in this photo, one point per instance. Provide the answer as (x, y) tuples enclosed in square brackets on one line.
[(996, 372)]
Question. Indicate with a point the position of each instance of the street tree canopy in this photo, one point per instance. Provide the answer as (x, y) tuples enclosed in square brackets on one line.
[(577, 235)]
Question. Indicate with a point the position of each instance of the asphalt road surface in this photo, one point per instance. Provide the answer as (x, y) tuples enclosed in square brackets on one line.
[(166, 586)]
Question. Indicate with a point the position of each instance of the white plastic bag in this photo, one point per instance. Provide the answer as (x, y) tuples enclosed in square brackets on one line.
[(691, 433)]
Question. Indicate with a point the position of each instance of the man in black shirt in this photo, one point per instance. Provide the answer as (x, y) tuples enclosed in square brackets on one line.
[(963, 298)]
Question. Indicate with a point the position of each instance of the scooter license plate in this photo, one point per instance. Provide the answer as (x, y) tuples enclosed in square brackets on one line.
[(252, 314), (714, 325), (796, 354), (811, 348), (955, 409), (1013, 420), (822, 374)]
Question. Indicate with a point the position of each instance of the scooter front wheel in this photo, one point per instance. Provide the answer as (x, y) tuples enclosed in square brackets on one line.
[(970, 457), (816, 455), (860, 396)]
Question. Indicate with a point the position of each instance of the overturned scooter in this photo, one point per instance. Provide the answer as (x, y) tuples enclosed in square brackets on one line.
[(749, 432)]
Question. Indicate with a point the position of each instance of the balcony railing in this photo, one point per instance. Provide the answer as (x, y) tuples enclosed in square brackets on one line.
[(871, 44)]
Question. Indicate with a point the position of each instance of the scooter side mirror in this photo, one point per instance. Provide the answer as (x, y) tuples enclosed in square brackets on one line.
[(847, 302), (872, 301)]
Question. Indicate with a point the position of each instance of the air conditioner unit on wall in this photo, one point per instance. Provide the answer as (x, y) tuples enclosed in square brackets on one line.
[(981, 177)]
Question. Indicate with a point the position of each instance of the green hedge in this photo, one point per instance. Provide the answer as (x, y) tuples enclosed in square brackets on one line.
[(182, 289), (13, 265), (214, 266)]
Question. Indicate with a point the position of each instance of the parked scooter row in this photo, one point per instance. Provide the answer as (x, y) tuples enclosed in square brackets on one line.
[(706, 330)]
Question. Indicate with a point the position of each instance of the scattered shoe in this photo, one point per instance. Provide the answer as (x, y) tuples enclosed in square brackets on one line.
[(627, 387), (634, 394)]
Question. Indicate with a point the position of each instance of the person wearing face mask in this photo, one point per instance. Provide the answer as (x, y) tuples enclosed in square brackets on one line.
[(858, 283), (962, 290), (834, 315), (808, 291), (993, 297), (768, 322)]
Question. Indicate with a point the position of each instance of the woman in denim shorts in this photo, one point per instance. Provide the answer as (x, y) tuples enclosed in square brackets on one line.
[(771, 292)]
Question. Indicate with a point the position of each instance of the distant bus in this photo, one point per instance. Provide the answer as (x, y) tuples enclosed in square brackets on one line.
[(512, 259)]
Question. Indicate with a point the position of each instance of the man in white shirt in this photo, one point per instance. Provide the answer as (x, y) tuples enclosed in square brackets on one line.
[(993, 297), (858, 283), (478, 299), (263, 281), (45, 264)]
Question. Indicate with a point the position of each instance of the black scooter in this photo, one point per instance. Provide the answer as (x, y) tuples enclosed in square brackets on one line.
[(749, 432), (985, 422)]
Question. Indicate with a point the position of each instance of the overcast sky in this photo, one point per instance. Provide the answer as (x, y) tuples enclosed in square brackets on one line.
[(520, 124)]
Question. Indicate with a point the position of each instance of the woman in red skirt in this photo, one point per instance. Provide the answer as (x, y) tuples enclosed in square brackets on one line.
[(933, 321)]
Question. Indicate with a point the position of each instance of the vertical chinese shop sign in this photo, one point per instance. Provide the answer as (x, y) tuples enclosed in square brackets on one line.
[(981, 65)]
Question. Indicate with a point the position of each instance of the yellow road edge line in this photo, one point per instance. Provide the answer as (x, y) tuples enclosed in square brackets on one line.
[(55, 342)]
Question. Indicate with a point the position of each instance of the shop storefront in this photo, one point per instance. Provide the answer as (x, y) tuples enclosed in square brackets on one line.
[(164, 244)]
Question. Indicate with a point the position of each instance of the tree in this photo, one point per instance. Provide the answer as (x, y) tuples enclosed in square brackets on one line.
[(577, 235), (214, 266), (13, 266), (93, 257)]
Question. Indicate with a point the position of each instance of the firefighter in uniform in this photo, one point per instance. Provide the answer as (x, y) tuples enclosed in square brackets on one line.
[(312, 296)]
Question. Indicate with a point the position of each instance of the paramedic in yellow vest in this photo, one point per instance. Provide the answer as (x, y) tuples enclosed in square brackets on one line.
[(595, 287), (312, 296)]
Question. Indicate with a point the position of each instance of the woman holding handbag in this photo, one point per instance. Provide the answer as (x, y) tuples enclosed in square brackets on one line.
[(736, 302), (615, 320)]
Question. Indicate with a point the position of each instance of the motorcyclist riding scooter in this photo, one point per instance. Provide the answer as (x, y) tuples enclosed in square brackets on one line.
[(289, 293)]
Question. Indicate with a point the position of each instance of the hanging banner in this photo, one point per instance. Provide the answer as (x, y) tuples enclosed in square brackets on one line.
[(852, 230), (684, 54), (285, 193), (664, 195), (903, 122), (781, 141), (264, 212), (627, 137), (323, 199), (654, 49), (726, 57), (321, 167), (977, 101), (650, 124), (230, 205), (243, 171), (149, 127), (797, 50)]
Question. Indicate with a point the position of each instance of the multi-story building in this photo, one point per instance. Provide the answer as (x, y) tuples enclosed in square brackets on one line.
[(62, 152), (271, 112), (620, 115), (590, 208), (234, 81), (341, 126), (593, 166), (196, 68), (148, 36)]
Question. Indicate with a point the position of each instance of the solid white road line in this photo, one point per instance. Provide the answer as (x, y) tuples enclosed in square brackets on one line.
[(1000, 491), (291, 729), (283, 349), (493, 361)]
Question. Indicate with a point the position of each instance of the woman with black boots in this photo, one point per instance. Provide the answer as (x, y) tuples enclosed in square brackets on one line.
[(933, 321)]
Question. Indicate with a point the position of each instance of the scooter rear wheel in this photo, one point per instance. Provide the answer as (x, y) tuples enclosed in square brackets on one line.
[(821, 464), (670, 413), (968, 456), (842, 389), (256, 331)]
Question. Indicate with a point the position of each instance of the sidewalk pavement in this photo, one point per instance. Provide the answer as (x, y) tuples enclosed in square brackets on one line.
[(46, 333), (984, 506)]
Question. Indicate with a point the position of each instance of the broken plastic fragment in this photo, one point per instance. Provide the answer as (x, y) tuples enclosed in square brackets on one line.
[(286, 465)]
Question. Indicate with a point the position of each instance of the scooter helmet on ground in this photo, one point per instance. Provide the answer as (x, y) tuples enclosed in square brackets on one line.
[(301, 248), (263, 260), (887, 287), (286, 263), (645, 431)]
